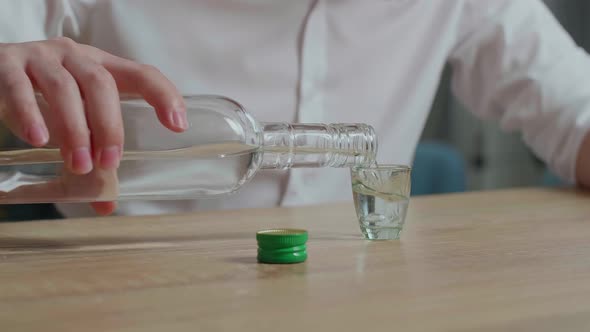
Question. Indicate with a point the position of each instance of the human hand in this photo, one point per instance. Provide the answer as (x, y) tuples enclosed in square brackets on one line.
[(81, 85)]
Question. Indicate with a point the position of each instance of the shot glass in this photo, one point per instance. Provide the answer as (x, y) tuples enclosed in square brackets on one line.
[(381, 198)]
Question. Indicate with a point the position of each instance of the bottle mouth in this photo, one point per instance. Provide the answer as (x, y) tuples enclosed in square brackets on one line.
[(356, 145), (371, 144), (318, 145)]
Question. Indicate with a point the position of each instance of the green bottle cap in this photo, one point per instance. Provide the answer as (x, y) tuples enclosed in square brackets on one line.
[(282, 246)]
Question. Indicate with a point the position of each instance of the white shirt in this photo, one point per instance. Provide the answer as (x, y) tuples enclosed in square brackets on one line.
[(370, 61)]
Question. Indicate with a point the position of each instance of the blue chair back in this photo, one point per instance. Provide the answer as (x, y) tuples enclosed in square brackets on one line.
[(438, 168)]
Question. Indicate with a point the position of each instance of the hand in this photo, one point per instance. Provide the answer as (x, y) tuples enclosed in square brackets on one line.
[(81, 85)]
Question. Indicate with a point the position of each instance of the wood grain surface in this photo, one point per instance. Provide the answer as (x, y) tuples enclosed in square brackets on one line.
[(516, 260)]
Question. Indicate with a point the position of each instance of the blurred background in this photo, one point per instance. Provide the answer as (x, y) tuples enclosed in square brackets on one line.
[(458, 152), (479, 156)]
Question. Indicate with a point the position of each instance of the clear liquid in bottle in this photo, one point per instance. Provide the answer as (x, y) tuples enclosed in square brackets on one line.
[(38, 175)]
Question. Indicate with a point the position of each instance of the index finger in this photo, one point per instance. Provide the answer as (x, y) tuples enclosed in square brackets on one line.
[(145, 80)]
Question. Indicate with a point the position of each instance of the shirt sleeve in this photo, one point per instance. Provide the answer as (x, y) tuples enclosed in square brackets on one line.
[(30, 20), (514, 63)]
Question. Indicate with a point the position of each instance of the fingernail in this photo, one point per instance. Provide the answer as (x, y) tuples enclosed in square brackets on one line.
[(110, 157), (81, 160), (38, 135), (179, 119)]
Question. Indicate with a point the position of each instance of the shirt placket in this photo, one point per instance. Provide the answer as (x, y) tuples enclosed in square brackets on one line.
[(310, 108)]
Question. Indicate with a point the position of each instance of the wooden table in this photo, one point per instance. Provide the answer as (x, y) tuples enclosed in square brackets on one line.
[(493, 261)]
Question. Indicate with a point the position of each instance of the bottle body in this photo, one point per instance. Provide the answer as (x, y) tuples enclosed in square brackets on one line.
[(222, 150)]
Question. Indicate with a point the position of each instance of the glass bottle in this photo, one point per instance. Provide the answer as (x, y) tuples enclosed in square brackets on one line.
[(221, 151)]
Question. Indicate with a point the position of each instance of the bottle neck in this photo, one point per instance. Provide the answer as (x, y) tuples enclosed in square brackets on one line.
[(288, 145)]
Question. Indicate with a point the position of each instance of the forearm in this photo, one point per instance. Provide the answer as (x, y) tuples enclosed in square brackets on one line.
[(583, 163)]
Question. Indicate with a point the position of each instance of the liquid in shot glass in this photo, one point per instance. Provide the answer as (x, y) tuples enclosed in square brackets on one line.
[(381, 196)]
